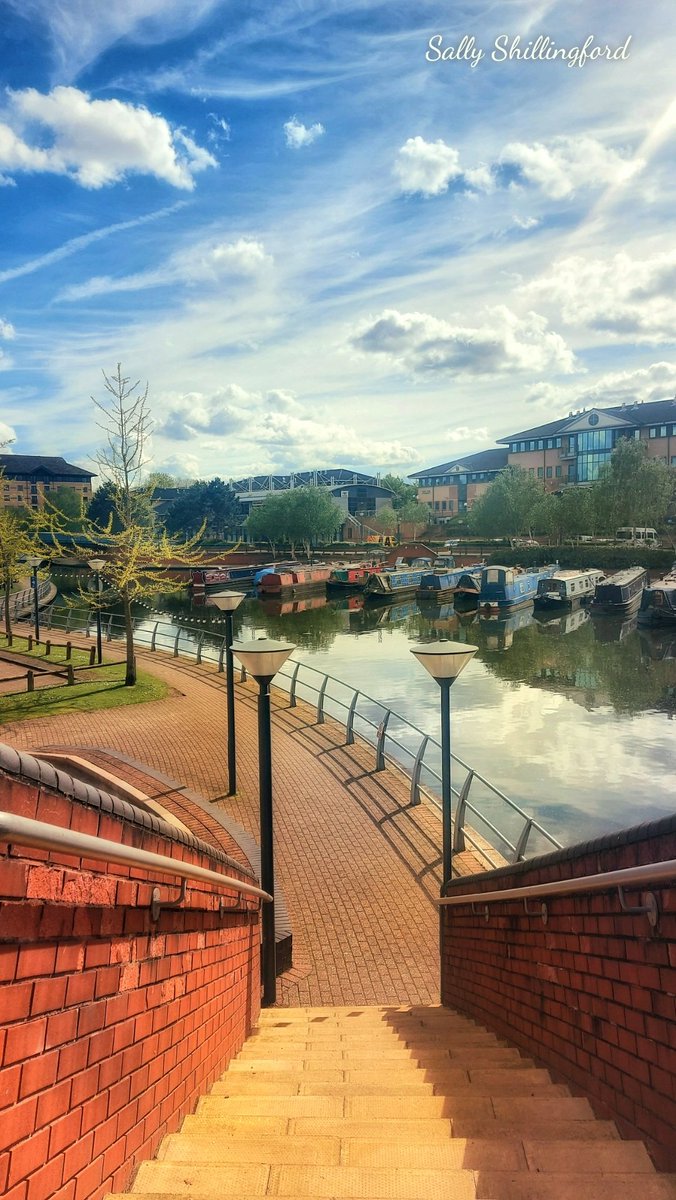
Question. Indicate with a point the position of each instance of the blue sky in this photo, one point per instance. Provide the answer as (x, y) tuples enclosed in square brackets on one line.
[(321, 243)]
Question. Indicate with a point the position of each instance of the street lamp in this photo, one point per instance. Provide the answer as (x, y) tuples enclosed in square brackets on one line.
[(227, 602), (35, 564), (445, 661), (263, 659), (97, 565)]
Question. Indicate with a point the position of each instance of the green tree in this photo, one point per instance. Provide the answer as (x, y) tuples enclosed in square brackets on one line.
[(306, 514), (213, 504), (508, 507), (386, 520), (19, 540), (415, 514), (132, 544), (633, 489), (404, 493)]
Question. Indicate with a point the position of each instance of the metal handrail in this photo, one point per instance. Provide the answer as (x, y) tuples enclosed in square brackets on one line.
[(44, 836), (661, 872), (289, 674)]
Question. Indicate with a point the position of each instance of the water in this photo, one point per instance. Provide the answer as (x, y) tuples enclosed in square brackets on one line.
[(572, 718)]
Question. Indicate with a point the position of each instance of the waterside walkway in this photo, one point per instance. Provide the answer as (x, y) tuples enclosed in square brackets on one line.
[(357, 865)]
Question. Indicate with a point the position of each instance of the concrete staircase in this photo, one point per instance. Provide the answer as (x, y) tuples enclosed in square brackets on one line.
[(393, 1104)]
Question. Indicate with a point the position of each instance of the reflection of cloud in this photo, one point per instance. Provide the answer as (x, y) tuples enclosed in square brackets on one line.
[(95, 142), (623, 296), (503, 343)]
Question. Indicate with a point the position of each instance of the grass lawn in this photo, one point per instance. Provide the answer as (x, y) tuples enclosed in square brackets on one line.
[(82, 697), (79, 658)]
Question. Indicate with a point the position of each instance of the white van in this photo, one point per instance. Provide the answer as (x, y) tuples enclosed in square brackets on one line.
[(637, 535)]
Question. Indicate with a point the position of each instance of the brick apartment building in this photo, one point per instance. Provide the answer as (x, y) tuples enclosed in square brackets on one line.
[(25, 479)]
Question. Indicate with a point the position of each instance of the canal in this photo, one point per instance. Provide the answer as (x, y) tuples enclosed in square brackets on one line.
[(573, 718)]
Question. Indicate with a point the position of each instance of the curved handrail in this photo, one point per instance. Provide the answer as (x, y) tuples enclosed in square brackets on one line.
[(43, 836), (375, 732), (662, 872)]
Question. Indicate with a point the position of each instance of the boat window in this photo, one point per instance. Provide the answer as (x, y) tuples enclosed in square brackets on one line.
[(573, 586), (509, 577)]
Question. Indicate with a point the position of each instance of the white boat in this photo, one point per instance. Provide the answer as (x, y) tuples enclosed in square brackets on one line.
[(567, 589)]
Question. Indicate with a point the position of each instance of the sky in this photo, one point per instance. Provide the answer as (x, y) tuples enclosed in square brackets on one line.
[(332, 232)]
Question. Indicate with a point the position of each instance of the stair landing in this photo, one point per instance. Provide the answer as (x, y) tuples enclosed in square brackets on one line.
[(412, 1103)]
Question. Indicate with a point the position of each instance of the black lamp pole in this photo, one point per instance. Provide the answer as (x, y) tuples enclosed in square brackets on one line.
[(446, 793), (99, 647), (230, 701), (36, 606), (269, 949)]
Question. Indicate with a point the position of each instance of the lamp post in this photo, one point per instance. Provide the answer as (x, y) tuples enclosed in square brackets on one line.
[(227, 602), (97, 565), (445, 661), (35, 564), (263, 659)]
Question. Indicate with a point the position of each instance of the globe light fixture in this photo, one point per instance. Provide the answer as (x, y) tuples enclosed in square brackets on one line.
[(263, 658), (445, 661), (227, 602)]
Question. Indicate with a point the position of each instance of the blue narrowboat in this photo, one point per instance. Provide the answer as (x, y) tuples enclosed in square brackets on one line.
[(507, 587), (387, 585), (658, 603)]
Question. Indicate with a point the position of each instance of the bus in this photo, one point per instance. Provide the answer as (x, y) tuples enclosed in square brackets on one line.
[(637, 535)]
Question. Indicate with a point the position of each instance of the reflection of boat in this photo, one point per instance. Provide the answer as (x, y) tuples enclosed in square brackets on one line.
[(352, 575), (560, 623), (280, 583), (353, 603), (567, 589), (613, 629), (499, 630), (659, 647), (277, 608), (658, 603), (619, 593), (507, 587)]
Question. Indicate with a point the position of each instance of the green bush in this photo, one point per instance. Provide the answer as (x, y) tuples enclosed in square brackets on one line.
[(607, 558)]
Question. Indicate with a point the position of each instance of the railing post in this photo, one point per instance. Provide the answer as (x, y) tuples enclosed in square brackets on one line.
[(242, 674), (198, 654), (349, 724), (320, 701), (70, 680), (459, 830), (69, 649), (520, 851), (380, 753), (292, 689), (109, 629), (88, 625), (417, 766), (178, 634), (221, 656), (68, 616), (92, 655), (153, 639)]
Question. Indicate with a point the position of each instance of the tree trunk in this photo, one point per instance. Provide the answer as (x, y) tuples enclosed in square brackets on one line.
[(130, 675)]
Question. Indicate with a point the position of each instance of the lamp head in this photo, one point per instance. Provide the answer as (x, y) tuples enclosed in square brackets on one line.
[(96, 564), (263, 657), (445, 660), (225, 601)]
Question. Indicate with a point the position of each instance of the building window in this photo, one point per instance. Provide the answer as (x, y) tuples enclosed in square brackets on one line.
[(436, 506), (595, 439), (443, 506), (558, 472), (549, 472), (663, 431), (540, 472), (450, 506), (541, 444), (652, 432)]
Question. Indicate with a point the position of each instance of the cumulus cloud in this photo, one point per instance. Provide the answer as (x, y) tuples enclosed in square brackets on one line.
[(502, 344), (204, 263), (525, 222), (7, 331), (429, 167), (224, 411), (656, 382), (7, 434), (298, 135), (568, 164), (464, 434), (305, 442), (629, 298), (94, 142)]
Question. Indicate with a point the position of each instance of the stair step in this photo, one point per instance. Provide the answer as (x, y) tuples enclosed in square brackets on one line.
[(496, 1185), (565, 1157), (391, 1083), (183, 1179), (272, 1106), (204, 1148), (535, 1131)]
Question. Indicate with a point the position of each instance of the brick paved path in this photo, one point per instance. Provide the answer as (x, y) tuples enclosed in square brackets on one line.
[(357, 865)]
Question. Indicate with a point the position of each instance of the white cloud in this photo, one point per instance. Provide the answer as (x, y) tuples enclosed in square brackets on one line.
[(656, 382), (307, 442), (525, 222), (628, 298), (299, 135), (464, 434), (568, 164), (7, 434), (223, 412), (502, 343), (95, 142), (7, 331), (426, 167)]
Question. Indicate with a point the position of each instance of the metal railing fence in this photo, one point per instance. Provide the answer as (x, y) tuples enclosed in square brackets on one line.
[(25, 598), (483, 813)]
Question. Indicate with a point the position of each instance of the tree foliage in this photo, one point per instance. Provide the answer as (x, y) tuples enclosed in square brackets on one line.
[(508, 506), (304, 515), (20, 540), (213, 504), (132, 544), (633, 489), (404, 493)]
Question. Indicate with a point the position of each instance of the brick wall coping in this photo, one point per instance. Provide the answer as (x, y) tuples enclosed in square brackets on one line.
[(26, 766), (662, 827)]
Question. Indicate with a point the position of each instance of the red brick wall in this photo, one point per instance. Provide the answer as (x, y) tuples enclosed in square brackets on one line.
[(111, 1026), (592, 993)]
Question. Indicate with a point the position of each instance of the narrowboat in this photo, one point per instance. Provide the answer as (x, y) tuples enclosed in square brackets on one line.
[(619, 594), (293, 583), (507, 587), (388, 585), (214, 579), (567, 589), (352, 576), (270, 568), (438, 585), (658, 603), (466, 591)]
